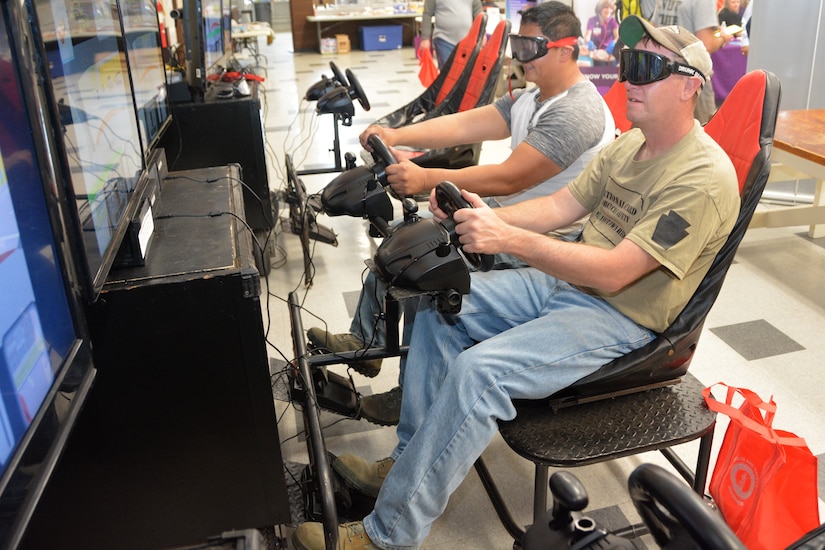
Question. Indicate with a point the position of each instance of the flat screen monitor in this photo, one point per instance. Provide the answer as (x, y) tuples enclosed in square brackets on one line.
[(98, 123), (147, 70), (45, 360), (213, 46), (207, 37)]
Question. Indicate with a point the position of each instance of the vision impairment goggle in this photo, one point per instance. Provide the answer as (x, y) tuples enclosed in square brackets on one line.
[(640, 67), (528, 48)]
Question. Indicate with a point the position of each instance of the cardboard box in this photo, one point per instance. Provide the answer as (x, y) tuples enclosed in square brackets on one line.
[(329, 45), (342, 41), (380, 37)]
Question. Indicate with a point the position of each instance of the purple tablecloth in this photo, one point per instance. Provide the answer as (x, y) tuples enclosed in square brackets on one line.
[(729, 65)]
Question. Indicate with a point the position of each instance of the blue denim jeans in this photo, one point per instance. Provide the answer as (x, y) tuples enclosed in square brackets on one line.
[(443, 50), (521, 334), (368, 324)]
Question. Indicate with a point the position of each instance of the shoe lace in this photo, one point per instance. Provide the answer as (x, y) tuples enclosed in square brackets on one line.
[(355, 529)]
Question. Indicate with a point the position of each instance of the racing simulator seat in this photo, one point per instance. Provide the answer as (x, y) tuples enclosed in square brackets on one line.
[(453, 75), (646, 400), (476, 88)]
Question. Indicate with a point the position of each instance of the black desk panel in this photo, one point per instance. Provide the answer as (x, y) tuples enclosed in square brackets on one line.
[(178, 440), (216, 132)]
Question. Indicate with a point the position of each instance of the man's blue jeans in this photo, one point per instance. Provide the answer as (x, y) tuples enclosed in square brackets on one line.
[(443, 50), (521, 334)]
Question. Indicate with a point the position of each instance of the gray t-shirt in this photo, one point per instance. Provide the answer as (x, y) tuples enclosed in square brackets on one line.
[(453, 19), (569, 129), (694, 15)]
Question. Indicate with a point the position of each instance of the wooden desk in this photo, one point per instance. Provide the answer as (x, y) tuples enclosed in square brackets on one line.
[(798, 153)]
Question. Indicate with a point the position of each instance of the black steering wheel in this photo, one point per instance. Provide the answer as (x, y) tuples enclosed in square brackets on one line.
[(337, 75), (383, 157), (356, 91), (671, 510), (449, 200)]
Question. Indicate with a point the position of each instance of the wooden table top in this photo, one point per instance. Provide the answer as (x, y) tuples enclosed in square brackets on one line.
[(802, 133)]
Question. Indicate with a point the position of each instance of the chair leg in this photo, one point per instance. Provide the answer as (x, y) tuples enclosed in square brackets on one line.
[(697, 480), (497, 500), (703, 463), (540, 492)]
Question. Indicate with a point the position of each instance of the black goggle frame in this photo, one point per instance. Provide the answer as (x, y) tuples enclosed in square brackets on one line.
[(528, 48), (641, 67)]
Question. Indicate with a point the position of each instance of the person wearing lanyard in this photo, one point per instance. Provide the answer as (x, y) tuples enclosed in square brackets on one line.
[(554, 128), (662, 198)]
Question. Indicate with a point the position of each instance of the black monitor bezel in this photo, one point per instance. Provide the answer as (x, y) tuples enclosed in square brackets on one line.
[(75, 375), (92, 279), (148, 143)]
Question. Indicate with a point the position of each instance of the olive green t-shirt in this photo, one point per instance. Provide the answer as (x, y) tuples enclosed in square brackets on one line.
[(679, 208)]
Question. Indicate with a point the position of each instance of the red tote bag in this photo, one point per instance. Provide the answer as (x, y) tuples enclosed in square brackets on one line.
[(765, 480), (427, 71)]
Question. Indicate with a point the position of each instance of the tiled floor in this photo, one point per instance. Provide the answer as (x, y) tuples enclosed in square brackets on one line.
[(766, 331)]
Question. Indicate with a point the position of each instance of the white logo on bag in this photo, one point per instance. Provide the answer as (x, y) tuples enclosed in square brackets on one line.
[(742, 479)]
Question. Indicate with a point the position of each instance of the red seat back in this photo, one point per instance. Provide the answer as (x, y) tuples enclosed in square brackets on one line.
[(463, 56), (744, 127), (486, 69), (736, 126), (616, 99)]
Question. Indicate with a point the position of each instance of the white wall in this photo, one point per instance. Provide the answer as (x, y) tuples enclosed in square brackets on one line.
[(788, 39)]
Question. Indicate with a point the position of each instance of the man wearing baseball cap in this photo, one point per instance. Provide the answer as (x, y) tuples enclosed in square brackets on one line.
[(662, 199)]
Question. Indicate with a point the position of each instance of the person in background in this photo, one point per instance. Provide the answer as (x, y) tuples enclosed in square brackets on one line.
[(453, 19), (602, 33), (729, 14), (700, 18), (662, 200)]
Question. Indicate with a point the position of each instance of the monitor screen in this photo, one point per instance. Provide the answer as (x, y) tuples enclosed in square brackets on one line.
[(98, 122), (213, 34), (40, 324), (143, 46)]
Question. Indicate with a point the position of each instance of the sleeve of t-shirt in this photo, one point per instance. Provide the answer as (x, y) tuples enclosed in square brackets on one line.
[(505, 103), (678, 227), (427, 19)]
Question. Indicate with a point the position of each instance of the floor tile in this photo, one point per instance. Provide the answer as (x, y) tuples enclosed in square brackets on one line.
[(756, 339)]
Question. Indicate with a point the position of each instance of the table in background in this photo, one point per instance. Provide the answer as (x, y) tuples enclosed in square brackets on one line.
[(246, 36), (729, 65), (798, 153), (335, 20)]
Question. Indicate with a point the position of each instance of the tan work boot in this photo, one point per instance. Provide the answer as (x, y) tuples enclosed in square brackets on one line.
[(382, 408), (366, 477), (336, 343), (351, 536)]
